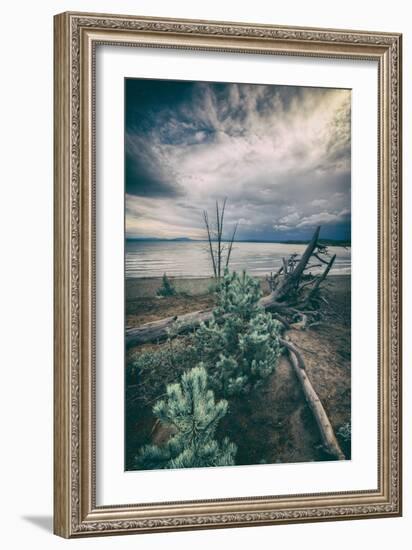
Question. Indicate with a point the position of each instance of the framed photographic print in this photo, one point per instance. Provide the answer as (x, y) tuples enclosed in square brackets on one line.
[(227, 274)]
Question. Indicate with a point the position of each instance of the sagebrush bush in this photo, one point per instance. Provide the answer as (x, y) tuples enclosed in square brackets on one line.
[(240, 345), (190, 408), (167, 288), (162, 364), (345, 432)]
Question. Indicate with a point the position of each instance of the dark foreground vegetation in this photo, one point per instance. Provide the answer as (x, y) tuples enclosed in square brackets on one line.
[(241, 371)]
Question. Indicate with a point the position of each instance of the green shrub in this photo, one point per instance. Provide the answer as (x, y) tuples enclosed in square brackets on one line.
[(190, 408), (163, 364), (167, 288), (212, 287), (345, 432), (240, 345)]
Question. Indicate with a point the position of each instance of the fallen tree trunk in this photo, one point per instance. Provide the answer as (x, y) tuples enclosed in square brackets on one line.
[(325, 427), (158, 330), (319, 280), (291, 280), (182, 324), (276, 301)]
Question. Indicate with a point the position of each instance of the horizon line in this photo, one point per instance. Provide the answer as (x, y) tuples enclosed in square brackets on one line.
[(286, 241)]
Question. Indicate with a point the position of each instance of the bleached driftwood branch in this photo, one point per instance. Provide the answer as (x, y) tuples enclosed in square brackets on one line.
[(325, 427), (291, 292)]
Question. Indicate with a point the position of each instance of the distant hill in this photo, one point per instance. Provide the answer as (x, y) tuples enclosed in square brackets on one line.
[(324, 242), (151, 239)]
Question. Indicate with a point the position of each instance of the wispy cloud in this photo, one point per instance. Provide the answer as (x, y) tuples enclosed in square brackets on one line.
[(280, 154)]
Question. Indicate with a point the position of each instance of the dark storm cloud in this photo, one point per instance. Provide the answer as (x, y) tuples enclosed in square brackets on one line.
[(280, 154), (147, 173)]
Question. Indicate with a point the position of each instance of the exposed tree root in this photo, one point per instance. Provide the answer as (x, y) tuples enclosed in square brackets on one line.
[(294, 300), (292, 292)]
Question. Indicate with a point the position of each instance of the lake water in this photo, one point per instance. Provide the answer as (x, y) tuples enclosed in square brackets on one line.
[(191, 259)]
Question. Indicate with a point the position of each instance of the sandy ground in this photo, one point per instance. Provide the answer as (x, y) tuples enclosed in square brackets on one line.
[(273, 424)]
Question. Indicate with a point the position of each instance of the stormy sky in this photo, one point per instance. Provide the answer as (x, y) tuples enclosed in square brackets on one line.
[(280, 154)]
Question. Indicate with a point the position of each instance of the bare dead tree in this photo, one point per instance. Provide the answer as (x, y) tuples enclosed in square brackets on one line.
[(297, 285), (294, 294), (229, 252), (209, 238), (219, 222), (217, 248), (272, 278)]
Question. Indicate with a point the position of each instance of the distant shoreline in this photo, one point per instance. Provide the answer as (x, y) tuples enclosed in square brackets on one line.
[(140, 287), (324, 242), (192, 259), (211, 278), (183, 277)]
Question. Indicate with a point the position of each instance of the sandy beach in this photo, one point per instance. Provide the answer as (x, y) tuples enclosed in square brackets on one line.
[(272, 424)]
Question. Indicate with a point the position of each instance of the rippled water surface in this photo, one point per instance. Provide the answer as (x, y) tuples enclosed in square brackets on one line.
[(191, 259)]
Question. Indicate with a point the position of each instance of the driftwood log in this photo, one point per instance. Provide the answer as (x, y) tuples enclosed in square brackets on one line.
[(325, 427), (292, 289), (158, 330)]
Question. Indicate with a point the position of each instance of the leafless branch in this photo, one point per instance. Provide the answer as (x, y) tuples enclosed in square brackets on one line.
[(209, 238), (231, 245)]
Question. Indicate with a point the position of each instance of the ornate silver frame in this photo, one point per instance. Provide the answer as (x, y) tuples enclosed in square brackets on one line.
[(76, 36)]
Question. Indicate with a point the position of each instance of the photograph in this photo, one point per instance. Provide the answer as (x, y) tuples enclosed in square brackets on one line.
[(237, 274), (227, 274)]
